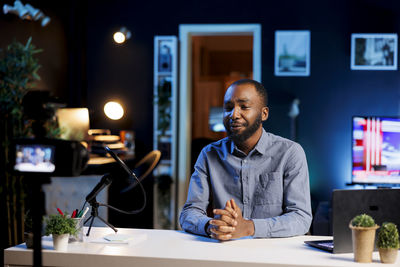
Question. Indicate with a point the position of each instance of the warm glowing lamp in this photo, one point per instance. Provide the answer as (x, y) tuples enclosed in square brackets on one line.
[(74, 123), (113, 110), (119, 37), (122, 35)]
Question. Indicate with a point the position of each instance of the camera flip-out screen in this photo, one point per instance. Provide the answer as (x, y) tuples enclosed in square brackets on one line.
[(49, 156), (35, 158)]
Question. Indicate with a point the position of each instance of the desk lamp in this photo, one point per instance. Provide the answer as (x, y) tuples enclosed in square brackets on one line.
[(74, 123)]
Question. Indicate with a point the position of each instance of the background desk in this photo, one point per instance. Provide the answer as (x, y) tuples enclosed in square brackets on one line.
[(163, 248)]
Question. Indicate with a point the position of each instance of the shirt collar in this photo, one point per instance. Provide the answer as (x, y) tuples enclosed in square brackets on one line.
[(261, 146)]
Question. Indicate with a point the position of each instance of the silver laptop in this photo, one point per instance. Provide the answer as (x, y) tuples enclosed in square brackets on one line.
[(382, 204)]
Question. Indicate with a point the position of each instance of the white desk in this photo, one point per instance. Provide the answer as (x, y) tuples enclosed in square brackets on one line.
[(164, 248)]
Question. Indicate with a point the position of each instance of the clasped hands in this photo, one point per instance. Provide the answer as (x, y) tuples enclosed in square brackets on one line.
[(228, 223)]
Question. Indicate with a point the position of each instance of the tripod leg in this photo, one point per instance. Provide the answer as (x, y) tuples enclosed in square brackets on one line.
[(109, 225), (90, 226), (37, 213), (87, 219)]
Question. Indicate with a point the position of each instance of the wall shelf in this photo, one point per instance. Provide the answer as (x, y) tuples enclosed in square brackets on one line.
[(164, 130)]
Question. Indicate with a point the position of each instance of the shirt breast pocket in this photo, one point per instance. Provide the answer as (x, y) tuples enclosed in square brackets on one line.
[(269, 190)]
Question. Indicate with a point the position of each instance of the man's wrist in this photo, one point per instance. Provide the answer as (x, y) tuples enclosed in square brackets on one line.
[(250, 228)]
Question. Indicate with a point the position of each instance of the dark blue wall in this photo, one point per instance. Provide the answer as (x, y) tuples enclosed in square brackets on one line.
[(329, 97), (98, 70)]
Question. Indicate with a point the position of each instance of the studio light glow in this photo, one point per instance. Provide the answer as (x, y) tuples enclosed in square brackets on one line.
[(122, 35), (113, 110), (119, 37)]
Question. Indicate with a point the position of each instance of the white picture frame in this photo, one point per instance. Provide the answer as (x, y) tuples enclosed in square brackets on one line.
[(373, 51), (292, 53)]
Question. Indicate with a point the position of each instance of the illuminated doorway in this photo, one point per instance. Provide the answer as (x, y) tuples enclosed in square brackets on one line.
[(192, 39)]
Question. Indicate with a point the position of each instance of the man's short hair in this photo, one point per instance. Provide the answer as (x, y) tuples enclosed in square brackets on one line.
[(259, 88)]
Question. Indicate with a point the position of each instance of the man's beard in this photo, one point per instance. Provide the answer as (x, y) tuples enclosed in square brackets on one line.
[(249, 130)]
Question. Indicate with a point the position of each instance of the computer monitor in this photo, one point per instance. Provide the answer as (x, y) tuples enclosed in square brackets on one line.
[(375, 150)]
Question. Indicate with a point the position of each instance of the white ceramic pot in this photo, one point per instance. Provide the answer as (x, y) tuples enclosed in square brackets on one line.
[(60, 242)]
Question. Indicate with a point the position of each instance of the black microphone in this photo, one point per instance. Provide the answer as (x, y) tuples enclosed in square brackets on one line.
[(105, 181)]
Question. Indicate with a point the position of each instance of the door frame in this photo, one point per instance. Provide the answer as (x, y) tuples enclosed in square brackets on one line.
[(186, 31)]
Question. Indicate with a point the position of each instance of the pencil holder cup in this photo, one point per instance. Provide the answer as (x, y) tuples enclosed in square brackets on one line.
[(78, 237)]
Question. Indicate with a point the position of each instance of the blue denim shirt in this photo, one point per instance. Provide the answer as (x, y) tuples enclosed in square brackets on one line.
[(270, 185)]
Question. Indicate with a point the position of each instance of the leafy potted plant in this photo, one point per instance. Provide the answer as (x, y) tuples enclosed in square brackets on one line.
[(60, 226), (388, 242), (363, 228)]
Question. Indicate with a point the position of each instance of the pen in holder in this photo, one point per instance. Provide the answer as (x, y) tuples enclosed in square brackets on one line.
[(78, 237)]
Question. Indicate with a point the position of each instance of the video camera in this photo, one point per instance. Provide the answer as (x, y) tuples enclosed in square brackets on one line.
[(41, 155), (50, 156)]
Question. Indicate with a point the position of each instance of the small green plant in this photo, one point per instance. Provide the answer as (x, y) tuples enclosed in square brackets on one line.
[(60, 224), (388, 236), (363, 220)]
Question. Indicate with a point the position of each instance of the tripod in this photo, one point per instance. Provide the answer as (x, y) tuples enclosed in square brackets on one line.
[(95, 213)]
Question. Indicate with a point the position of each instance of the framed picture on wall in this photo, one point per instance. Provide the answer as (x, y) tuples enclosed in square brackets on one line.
[(373, 51), (292, 53)]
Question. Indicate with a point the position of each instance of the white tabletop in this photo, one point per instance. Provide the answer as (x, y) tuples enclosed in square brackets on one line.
[(176, 248)]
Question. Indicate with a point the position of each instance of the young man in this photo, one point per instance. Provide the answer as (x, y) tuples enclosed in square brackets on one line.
[(255, 183)]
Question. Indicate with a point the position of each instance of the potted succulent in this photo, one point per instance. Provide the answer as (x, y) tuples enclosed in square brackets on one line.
[(363, 228), (388, 242), (60, 226)]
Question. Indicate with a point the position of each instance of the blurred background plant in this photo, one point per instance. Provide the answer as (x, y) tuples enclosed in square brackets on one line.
[(164, 106), (18, 72)]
